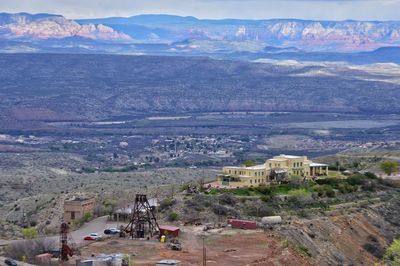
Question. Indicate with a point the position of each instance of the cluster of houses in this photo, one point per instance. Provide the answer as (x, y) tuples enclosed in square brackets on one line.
[(276, 169)]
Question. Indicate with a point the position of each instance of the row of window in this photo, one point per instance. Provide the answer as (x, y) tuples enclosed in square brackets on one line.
[(275, 165), (255, 181), (244, 172), (298, 164)]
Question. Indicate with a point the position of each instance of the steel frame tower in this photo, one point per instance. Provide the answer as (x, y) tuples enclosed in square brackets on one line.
[(143, 223)]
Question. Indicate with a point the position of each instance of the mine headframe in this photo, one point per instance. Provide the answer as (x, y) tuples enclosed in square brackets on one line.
[(143, 222), (65, 250)]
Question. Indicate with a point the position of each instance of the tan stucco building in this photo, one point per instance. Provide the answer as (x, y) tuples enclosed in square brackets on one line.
[(275, 169), (76, 208)]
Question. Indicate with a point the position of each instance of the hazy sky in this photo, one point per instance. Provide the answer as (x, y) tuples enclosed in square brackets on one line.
[(252, 9)]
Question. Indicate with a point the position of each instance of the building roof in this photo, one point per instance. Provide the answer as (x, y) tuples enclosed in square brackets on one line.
[(289, 156), (255, 167), (317, 165), (169, 228)]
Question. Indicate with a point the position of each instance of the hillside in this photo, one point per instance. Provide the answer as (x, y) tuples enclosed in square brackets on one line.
[(43, 87)]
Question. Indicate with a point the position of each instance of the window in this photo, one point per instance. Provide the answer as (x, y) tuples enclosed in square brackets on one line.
[(229, 171), (72, 215), (251, 181), (270, 164)]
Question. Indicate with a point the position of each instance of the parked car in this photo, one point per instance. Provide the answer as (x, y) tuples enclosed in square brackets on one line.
[(93, 237), (112, 231), (10, 262)]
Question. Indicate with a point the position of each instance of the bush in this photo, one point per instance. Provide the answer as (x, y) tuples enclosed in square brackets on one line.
[(198, 202), (304, 250), (374, 247), (29, 233), (324, 191), (346, 188), (220, 209), (356, 179), (258, 209), (173, 216), (262, 189), (299, 197), (227, 199), (392, 254), (87, 217), (265, 198), (167, 203), (370, 175)]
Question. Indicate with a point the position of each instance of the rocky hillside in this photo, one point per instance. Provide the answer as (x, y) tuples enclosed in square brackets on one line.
[(306, 34), (43, 87), (163, 34), (46, 26)]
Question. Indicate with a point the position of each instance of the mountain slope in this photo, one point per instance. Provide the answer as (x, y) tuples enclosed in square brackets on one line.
[(69, 87)]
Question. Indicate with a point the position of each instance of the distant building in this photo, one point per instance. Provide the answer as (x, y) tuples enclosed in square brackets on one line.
[(76, 208), (276, 169)]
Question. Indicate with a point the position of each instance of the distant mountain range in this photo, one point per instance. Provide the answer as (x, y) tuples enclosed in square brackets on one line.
[(165, 34)]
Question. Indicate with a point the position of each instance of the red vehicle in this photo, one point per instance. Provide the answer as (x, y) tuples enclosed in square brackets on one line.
[(93, 237)]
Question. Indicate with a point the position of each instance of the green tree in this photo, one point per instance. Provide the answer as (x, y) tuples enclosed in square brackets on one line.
[(392, 255), (29, 233), (389, 167), (87, 216), (173, 216), (249, 163)]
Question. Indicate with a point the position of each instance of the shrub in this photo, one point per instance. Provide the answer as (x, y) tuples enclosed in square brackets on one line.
[(324, 190), (346, 188), (262, 189), (304, 250), (389, 167), (198, 202), (87, 217), (392, 254), (370, 175), (30, 232), (356, 179), (265, 198), (173, 216), (258, 209), (220, 209), (167, 203), (227, 199), (374, 247)]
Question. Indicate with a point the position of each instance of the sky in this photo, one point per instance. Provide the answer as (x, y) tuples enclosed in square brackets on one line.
[(245, 9)]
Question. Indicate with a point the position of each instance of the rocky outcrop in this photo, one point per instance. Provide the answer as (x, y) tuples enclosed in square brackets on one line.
[(58, 27)]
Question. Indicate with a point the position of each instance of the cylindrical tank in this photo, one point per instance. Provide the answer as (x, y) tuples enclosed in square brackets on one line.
[(271, 220)]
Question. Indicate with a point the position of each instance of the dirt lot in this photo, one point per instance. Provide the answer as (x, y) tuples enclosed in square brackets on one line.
[(224, 247)]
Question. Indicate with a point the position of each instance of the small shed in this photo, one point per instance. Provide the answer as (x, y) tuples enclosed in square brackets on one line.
[(242, 224), (169, 230), (44, 258)]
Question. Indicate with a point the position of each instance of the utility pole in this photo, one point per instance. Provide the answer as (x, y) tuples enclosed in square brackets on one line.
[(204, 252)]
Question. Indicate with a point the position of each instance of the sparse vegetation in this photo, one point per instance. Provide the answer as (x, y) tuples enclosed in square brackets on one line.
[(392, 254), (29, 233), (389, 167)]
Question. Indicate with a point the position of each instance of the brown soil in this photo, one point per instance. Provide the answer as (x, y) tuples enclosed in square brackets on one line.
[(223, 247)]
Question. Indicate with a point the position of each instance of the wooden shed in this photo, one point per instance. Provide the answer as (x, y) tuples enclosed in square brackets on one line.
[(169, 230)]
